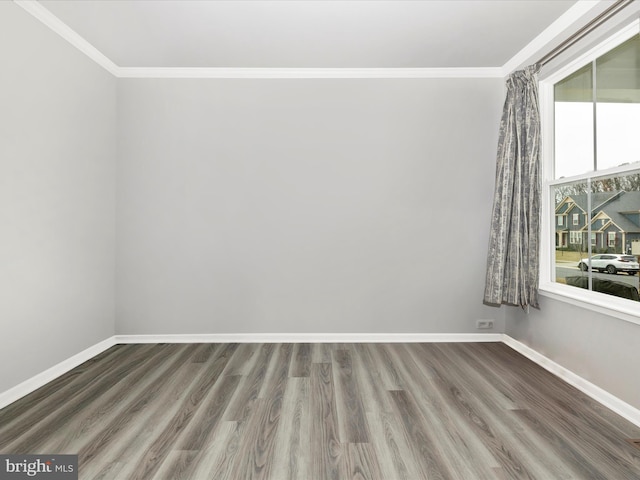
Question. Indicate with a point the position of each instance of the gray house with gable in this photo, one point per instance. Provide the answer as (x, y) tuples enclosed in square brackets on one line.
[(615, 222)]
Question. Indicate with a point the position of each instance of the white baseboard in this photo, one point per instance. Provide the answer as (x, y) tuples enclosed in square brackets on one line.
[(54, 372), (63, 367), (605, 398), (312, 338), (602, 396)]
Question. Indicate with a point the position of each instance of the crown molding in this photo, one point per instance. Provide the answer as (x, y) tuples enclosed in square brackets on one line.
[(577, 11), (318, 73), (58, 26), (549, 34)]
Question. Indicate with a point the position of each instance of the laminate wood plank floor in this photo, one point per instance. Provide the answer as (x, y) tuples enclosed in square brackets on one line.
[(460, 411)]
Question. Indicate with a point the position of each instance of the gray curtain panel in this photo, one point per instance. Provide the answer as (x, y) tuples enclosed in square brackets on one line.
[(513, 258)]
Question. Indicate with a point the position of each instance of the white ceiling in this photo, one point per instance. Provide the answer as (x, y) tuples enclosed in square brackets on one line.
[(309, 33)]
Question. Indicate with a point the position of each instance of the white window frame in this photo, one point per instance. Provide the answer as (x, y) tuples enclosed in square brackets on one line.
[(575, 237), (611, 239), (594, 240), (560, 222), (602, 303), (576, 219)]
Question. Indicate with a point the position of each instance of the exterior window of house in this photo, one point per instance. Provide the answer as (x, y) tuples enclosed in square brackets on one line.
[(591, 149), (559, 220), (575, 238)]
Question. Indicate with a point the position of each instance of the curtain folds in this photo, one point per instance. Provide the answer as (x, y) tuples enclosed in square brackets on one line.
[(513, 257)]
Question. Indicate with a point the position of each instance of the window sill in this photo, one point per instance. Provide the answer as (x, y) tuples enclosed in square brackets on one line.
[(620, 308)]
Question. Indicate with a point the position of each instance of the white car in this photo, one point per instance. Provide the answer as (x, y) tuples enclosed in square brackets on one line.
[(611, 263)]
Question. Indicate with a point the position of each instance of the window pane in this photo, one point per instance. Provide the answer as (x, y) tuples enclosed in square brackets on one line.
[(613, 235), (577, 87), (570, 236), (618, 105), (573, 97)]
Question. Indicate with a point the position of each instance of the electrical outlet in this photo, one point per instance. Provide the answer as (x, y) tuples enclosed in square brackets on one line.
[(484, 324)]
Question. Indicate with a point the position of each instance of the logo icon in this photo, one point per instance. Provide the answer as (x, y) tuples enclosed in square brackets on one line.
[(44, 467)]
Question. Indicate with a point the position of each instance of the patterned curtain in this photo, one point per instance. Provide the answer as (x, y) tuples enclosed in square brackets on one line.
[(512, 262)]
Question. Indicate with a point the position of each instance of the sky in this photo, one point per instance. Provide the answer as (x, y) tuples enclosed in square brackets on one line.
[(618, 140)]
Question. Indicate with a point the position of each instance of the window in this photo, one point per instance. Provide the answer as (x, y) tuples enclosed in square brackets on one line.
[(559, 220), (575, 238), (591, 150)]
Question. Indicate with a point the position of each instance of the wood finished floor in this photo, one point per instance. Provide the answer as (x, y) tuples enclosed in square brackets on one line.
[(322, 411)]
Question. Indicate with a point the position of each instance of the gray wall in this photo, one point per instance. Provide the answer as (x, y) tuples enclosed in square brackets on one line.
[(599, 348), (57, 183), (252, 206), (304, 205)]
